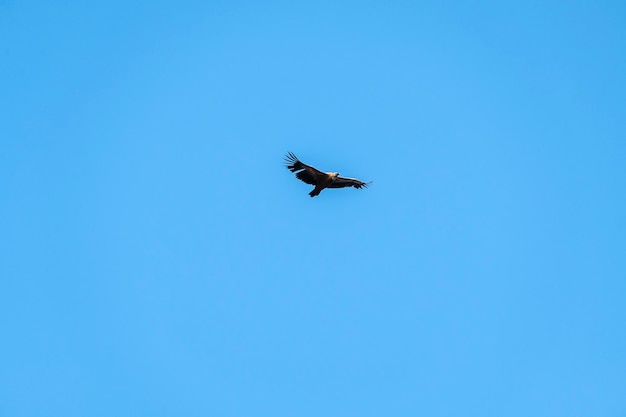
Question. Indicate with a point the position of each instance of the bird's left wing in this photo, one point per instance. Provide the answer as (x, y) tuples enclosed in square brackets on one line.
[(341, 182)]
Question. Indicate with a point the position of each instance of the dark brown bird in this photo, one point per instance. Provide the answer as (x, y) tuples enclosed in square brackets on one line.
[(319, 179)]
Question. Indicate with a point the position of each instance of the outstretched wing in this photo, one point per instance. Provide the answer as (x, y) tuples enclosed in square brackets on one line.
[(341, 182), (304, 172)]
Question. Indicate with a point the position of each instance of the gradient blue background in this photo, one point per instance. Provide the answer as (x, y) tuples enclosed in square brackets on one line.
[(158, 260)]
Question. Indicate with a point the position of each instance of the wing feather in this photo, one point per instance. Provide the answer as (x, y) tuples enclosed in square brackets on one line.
[(304, 172), (341, 182)]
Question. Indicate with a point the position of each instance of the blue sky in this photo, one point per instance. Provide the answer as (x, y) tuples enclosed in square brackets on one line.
[(158, 259)]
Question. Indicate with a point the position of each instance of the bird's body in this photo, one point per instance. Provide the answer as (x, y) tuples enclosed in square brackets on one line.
[(324, 182), (319, 179)]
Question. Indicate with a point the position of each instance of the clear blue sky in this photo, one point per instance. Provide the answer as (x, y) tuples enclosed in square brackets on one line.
[(158, 260)]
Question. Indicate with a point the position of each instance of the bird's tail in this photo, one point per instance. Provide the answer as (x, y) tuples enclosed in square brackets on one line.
[(316, 191)]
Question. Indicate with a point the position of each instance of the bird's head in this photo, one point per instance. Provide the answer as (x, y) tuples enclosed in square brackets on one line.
[(335, 175)]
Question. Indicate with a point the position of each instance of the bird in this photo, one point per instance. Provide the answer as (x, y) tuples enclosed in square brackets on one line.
[(311, 175)]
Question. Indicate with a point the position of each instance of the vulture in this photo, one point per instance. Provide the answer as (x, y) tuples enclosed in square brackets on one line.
[(319, 179)]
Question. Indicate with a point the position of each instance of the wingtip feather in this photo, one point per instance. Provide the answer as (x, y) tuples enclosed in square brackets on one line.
[(291, 161)]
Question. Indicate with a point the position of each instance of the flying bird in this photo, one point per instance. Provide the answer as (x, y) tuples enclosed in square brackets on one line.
[(319, 179)]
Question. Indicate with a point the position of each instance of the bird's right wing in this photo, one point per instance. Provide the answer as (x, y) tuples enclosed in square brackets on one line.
[(304, 172)]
